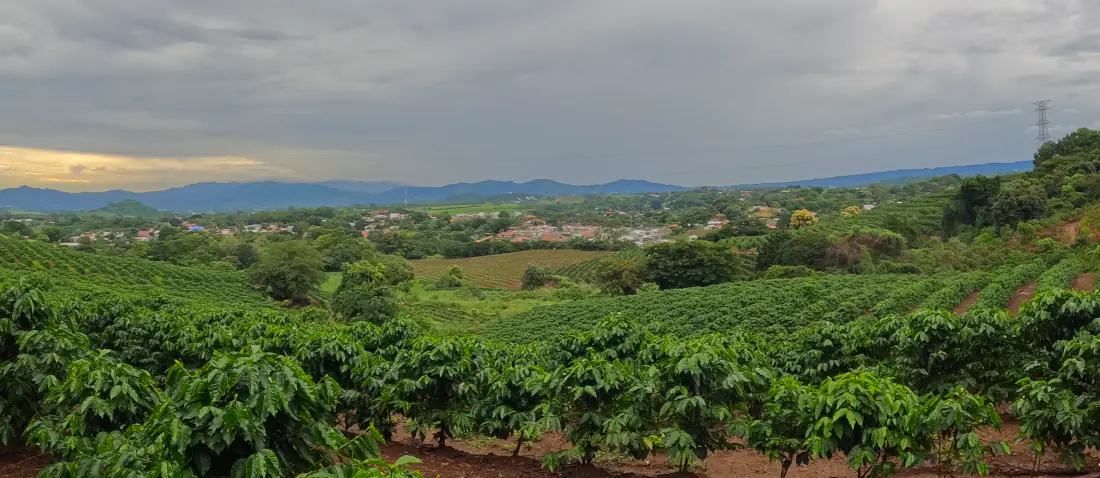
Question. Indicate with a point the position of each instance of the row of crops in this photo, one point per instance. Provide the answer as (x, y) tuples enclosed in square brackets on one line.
[(780, 306), (123, 389), (772, 306), (82, 272), (586, 271)]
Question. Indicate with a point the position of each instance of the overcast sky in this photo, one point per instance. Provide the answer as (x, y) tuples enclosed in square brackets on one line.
[(146, 94)]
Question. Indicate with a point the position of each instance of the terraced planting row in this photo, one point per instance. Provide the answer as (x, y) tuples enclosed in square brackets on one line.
[(775, 306), (586, 271), (83, 272), (503, 271)]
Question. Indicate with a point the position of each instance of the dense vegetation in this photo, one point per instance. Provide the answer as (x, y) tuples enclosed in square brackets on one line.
[(259, 393), (91, 273)]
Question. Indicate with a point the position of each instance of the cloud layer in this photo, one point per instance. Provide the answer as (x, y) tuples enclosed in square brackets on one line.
[(431, 92)]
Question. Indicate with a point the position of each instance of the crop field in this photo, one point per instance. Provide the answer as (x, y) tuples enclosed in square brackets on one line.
[(764, 306), (503, 271), (475, 208), (586, 271), (82, 272)]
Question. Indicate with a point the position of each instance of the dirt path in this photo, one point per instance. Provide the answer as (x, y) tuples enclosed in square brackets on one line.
[(1020, 297), (967, 302), (1084, 282)]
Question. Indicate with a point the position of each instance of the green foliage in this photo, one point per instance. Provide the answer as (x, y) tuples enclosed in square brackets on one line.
[(776, 306), (365, 294), (871, 420), (290, 270), (78, 272), (98, 395), (780, 432), (451, 279), (434, 383), (1083, 140), (535, 277), (999, 292), (675, 265), (621, 276)]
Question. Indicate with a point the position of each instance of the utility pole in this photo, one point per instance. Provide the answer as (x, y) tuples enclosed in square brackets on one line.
[(1044, 133), (406, 198)]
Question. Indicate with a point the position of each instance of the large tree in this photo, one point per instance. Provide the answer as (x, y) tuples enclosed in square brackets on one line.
[(1083, 140), (365, 294), (674, 265), (289, 270)]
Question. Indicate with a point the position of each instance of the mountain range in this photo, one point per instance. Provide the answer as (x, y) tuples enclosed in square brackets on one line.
[(270, 195)]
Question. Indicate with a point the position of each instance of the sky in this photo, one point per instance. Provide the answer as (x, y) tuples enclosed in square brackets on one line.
[(149, 94)]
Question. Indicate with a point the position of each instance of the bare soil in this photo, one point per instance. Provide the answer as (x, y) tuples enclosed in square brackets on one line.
[(21, 462), (967, 302), (1020, 297), (486, 458), (1084, 282)]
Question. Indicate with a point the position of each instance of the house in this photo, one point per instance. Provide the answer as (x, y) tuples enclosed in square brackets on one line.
[(868, 207), (196, 228), (254, 227), (553, 237), (225, 232)]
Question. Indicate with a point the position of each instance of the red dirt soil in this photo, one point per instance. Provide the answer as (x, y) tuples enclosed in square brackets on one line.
[(492, 459), (1084, 282), (21, 462), (1020, 297), (967, 302)]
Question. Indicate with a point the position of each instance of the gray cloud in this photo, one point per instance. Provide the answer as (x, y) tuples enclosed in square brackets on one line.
[(430, 92)]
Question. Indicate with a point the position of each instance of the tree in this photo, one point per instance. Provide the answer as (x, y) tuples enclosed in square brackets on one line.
[(53, 232), (851, 211), (1083, 140), (535, 277), (621, 276), (364, 294), (673, 265), (289, 270), (15, 229), (398, 272), (803, 218), (1019, 201), (972, 204), (450, 279), (246, 255)]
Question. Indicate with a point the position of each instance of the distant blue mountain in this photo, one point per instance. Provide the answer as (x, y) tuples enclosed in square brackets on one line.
[(988, 169), (270, 195)]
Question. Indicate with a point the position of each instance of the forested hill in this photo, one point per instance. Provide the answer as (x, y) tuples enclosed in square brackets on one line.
[(272, 195)]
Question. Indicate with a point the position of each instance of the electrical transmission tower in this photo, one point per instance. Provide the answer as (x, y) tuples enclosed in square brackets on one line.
[(1044, 133)]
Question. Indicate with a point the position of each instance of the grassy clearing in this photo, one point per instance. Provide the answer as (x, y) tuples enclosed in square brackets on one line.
[(464, 311), (332, 282), (502, 271)]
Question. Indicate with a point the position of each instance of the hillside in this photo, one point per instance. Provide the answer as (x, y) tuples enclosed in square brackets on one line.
[(82, 272), (779, 306), (130, 207)]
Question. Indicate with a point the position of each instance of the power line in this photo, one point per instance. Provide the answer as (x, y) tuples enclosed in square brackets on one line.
[(1044, 134)]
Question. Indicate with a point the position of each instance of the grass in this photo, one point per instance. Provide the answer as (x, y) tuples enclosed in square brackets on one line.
[(462, 311), (503, 271), (332, 282)]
